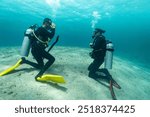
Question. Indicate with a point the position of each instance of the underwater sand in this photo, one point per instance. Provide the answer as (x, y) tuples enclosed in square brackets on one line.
[(71, 63)]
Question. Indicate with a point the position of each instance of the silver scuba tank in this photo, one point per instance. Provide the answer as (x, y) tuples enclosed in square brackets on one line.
[(109, 55), (25, 49)]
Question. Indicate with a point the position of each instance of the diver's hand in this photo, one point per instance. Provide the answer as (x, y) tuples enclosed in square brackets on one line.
[(91, 45), (53, 25)]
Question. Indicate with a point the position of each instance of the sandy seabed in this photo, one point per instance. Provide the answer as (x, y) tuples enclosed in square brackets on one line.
[(71, 63)]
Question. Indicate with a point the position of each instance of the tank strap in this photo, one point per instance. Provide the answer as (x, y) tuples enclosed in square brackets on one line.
[(110, 49), (97, 50), (39, 39), (28, 35)]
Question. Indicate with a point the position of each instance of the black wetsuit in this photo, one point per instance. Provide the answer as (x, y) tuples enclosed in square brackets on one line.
[(98, 54), (38, 50)]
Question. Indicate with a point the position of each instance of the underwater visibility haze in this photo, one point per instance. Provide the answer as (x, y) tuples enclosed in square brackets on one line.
[(126, 22)]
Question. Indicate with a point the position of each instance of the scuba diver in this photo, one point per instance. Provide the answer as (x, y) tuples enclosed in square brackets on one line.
[(98, 53), (38, 40), (102, 50)]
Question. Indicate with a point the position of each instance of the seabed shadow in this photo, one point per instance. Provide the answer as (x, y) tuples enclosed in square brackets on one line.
[(55, 85), (107, 78)]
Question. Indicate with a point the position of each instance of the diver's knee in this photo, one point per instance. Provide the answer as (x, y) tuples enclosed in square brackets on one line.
[(92, 74), (40, 66), (52, 60)]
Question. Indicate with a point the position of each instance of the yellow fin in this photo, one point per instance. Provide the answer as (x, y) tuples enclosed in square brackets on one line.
[(53, 78), (11, 68)]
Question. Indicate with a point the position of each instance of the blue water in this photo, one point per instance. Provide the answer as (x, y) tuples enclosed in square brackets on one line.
[(127, 23)]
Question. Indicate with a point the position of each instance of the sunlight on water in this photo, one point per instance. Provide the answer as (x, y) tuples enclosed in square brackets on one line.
[(125, 21)]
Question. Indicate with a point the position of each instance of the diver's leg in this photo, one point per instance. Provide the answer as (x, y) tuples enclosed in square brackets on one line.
[(30, 63), (51, 60), (38, 57), (94, 67), (90, 67), (36, 54)]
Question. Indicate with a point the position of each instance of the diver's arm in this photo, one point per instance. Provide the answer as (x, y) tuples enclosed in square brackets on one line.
[(52, 33), (96, 44), (52, 29)]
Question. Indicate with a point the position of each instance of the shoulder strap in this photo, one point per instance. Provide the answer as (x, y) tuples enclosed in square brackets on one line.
[(39, 39)]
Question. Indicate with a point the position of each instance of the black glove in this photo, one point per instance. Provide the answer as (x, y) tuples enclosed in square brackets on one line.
[(91, 45)]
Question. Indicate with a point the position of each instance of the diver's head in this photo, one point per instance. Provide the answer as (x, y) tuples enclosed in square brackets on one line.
[(98, 32), (47, 23)]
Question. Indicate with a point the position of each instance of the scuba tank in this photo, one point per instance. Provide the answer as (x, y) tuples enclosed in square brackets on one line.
[(25, 49), (109, 55)]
